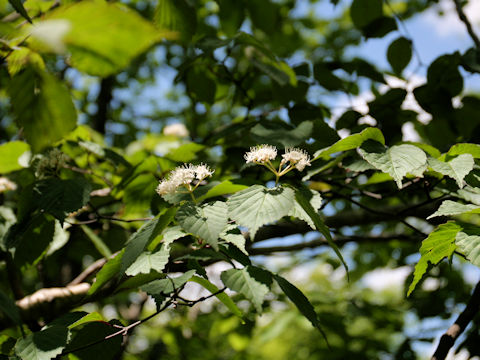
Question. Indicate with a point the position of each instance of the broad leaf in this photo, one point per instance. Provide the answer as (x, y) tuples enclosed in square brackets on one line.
[(397, 161), (139, 241), (363, 12), (224, 298), (468, 242), (233, 236), (258, 205), (297, 211), (456, 168), (224, 188), (169, 235), (178, 16), (167, 286), (43, 107), (11, 158), (450, 208), (241, 281), (205, 221), (8, 307), (351, 142), (148, 261), (458, 149), (283, 137), (438, 245), (399, 54), (111, 269), (42, 345)]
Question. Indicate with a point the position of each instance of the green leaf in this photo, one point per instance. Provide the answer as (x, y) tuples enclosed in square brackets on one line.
[(450, 208), (363, 12), (8, 307), (315, 201), (103, 38), (231, 14), (61, 197), (108, 271), (42, 106), (399, 54), (351, 142), (185, 153), (167, 286), (458, 149), (178, 16), (303, 201), (224, 298), (233, 236), (396, 161), (283, 137), (457, 168), (148, 261), (96, 241), (468, 242), (18, 6), (144, 236), (108, 349), (224, 188), (42, 345), (11, 158), (241, 281), (438, 245), (205, 221), (169, 236), (258, 205), (300, 300)]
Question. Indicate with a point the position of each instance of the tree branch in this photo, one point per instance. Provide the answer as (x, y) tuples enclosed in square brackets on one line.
[(451, 335), (467, 23)]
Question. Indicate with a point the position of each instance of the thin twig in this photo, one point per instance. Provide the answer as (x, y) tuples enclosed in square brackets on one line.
[(467, 23)]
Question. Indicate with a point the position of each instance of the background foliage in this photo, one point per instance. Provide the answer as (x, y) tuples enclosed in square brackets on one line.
[(96, 264)]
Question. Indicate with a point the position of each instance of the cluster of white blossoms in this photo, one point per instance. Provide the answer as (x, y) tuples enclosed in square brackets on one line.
[(293, 157), (184, 175), (6, 184)]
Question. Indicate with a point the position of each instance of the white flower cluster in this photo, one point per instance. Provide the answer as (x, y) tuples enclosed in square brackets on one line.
[(262, 154), (50, 163), (183, 176), (296, 157), (177, 129), (6, 184)]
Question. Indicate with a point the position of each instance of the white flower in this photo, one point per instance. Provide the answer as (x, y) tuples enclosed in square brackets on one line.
[(183, 175), (166, 187), (202, 171), (261, 154), (6, 184), (177, 129), (297, 157)]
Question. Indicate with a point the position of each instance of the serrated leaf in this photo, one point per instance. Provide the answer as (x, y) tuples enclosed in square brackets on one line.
[(397, 161), (61, 197), (224, 298), (205, 221), (469, 244), (351, 142), (11, 156), (108, 271), (438, 245), (8, 307), (399, 54), (42, 106), (148, 261), (456, 168), (169, 235), (233, 236), (241, 281), (167, 286), (450, 208), (258, 205), (297, 210), (42, 345), (144, 236), (319, 225)]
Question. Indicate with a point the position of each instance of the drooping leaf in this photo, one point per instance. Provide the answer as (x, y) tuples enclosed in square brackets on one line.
[(61, 197), (108, 271), (224, 298), (205, 221), (11, 156), (351, 142), (397, 161), (241, 281), (297, 210), (104, 37), (457, 168), (399, 54), (437, 246), (42, 106), (258, 205), (144, 236), (301, 197), (8, 307), (451, 208), (148, 261), (43, 345)]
